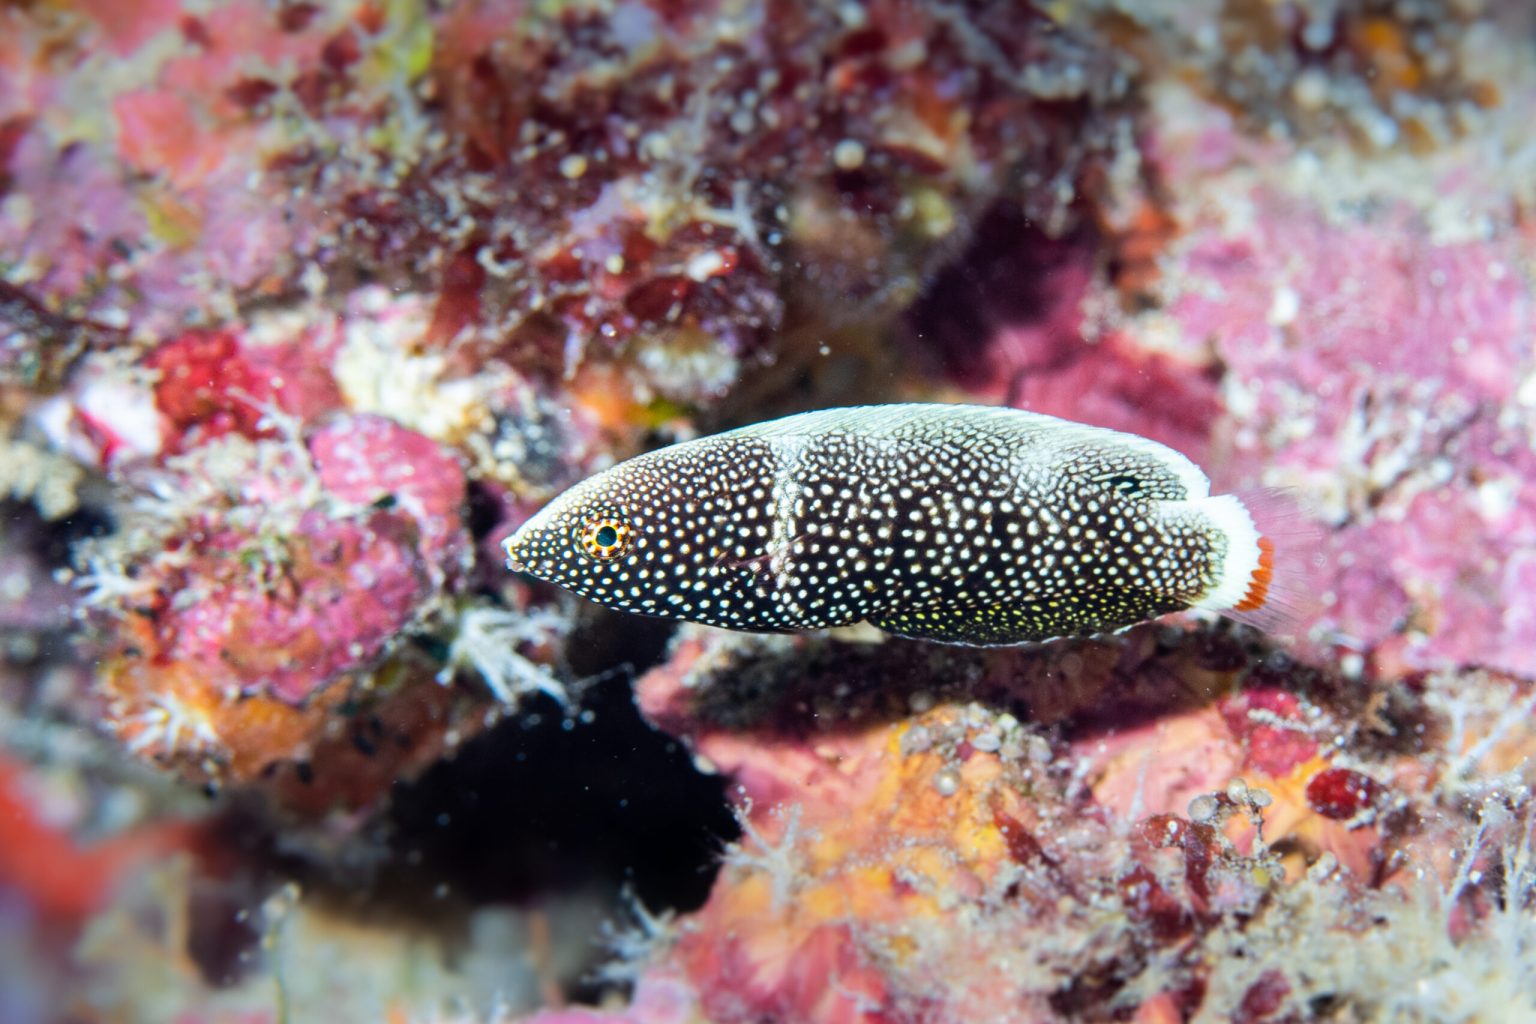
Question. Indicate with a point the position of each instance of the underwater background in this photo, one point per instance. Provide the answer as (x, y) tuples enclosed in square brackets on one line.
[(305, 306)]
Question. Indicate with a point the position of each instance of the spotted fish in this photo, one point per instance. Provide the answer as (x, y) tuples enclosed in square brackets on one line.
[(953, 523)]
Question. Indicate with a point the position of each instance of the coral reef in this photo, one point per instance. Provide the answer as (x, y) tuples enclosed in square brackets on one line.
[(303, 306), (560, 187), (1162, 817), (312, 558)]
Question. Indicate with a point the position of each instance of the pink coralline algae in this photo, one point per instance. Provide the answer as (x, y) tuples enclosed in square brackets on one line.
[(373, 461), (238, 602), (1379, 371)]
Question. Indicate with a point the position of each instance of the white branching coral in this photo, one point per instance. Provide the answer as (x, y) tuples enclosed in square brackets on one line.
[(784, 862), (486, 639), (634, 946), (106, 584), (1478, 707), (1491, 974)]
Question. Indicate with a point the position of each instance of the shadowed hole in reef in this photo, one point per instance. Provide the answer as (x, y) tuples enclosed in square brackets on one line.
[(586, 802), (1011, 274), (551, 801), (54, 540), (36, 631)]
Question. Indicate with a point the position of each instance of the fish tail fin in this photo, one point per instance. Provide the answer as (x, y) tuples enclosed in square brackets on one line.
[(1269, 574)]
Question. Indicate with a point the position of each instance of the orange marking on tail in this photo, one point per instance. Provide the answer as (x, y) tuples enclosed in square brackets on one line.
[(1258, 586)]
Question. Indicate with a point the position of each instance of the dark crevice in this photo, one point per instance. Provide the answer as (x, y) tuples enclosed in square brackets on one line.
[(552, 802), (1008, 276)]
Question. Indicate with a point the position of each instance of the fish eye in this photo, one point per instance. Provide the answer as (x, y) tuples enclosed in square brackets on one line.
[(606, 537), (1125, 483)]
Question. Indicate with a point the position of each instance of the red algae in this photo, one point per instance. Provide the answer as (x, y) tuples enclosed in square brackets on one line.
[(1274, 727), (1343, 794), (205, 385)]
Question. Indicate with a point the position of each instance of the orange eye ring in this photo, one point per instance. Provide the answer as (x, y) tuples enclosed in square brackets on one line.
[(605, 537)]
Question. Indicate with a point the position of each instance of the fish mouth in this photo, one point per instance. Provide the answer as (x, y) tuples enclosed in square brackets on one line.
[(514, 563)]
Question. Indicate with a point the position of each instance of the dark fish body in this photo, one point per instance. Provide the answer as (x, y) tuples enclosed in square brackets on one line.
[(963, 524)]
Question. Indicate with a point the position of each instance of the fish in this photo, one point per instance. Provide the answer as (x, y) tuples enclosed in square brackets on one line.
[(959, 524)]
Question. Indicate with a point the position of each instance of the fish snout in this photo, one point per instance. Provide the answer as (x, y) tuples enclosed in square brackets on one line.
[(516, 548), (534, 546)]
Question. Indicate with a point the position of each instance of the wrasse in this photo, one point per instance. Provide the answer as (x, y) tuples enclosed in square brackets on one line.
[(954, 523)]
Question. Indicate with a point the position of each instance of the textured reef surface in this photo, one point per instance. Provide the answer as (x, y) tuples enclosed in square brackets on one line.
[(304, 306)]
